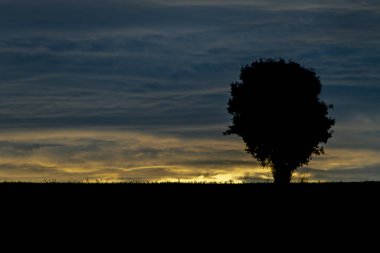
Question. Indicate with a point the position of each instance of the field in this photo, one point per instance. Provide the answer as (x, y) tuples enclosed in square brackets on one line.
[(184, 193), (148, 208)]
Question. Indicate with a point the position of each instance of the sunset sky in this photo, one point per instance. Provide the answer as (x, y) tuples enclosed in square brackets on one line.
[(122, 90)]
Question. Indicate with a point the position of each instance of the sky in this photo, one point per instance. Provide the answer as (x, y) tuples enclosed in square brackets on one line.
[(137, 90)]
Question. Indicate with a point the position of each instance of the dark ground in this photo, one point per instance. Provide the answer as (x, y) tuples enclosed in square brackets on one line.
[(182, 194), (191, 214)]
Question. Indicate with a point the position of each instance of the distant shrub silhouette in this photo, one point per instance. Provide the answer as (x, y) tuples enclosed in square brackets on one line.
[(277, 112)]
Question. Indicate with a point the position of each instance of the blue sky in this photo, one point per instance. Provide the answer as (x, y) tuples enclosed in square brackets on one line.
[(137, 90)]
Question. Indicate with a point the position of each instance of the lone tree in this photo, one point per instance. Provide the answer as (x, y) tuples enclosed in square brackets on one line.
[(278, 113)]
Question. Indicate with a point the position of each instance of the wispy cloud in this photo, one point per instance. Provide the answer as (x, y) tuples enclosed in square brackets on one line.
[(163, 68), (121, 155), (117, 155)]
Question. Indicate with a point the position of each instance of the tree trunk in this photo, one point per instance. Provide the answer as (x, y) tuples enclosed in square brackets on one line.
[(282, 175)]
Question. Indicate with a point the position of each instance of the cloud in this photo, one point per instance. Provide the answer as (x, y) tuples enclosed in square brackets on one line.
[(163, 68), (114, 156), (350, 175), (120, 155)]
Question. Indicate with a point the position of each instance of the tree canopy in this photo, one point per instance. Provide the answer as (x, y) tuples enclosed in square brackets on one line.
[(278, 113)]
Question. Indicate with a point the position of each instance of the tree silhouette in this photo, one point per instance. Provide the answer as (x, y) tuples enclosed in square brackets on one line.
[(277, 112)]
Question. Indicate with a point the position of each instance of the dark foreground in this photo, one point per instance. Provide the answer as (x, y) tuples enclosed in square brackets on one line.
[(190, 194), (152, 208)]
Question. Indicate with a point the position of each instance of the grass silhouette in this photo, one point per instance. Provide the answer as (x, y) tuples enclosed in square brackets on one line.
[(195, 191), (182, 205)]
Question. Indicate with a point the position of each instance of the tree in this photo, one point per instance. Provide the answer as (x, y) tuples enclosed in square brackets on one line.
[(278, 113)]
